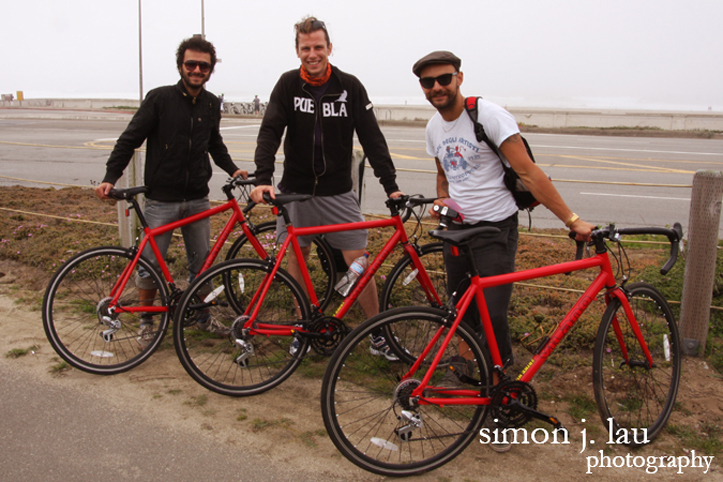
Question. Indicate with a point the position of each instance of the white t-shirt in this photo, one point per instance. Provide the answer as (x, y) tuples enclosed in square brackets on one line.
[(473, 170)]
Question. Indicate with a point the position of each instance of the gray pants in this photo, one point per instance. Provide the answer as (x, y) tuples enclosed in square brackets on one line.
[(196, 236), (493, 255)]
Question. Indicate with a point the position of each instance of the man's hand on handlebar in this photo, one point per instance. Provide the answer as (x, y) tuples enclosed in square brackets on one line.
[(257, 193), (103, 189), (242, 173), (437, 202), (582, 230)]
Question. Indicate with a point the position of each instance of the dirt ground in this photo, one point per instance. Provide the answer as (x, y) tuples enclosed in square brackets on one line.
[(285, 423)]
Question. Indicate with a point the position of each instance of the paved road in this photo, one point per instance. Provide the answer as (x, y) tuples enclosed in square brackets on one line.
[(51, 433), (627, 180)]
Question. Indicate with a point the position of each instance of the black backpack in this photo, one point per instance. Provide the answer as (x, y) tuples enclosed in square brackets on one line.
[(523, 196)]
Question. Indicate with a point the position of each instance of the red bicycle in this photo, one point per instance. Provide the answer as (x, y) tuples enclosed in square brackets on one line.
[(272, 324), (91, 308), (406, 417)]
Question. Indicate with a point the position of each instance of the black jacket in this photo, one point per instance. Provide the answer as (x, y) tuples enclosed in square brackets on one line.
[(180, 132), (344, 107)]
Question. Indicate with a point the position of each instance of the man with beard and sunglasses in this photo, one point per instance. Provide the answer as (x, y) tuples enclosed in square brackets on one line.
[(470, 173), (320, 107), (180, 124)]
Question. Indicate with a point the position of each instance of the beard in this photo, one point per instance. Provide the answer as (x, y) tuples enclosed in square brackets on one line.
[(195, 80), (449, 101)]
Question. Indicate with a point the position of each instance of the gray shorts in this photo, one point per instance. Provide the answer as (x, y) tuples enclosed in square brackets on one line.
[(324, 210)]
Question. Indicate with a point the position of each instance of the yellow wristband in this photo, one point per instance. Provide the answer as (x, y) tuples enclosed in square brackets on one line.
[(572, 219)]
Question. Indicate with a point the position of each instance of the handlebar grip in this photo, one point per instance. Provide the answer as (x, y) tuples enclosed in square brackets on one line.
[(675, 236), (249, 207), (579, 245)]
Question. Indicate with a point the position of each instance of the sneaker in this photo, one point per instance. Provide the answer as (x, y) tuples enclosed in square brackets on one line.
[(145, 336), (207, 323), (502, 445), (379, 347), (456, 364), (296, 344)]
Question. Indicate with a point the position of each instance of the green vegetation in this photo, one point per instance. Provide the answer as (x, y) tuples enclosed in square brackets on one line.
[(18, 352), (73, 220)]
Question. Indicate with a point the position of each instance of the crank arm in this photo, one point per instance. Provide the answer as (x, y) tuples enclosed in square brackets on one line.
[(201, 306), (536, 414)]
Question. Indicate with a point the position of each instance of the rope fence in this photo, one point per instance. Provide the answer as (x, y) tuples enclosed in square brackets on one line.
[(428, 224), (693, 340)]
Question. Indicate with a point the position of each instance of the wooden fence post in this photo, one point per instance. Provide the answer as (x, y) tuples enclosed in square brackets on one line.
[(704, 221), (128, 225)]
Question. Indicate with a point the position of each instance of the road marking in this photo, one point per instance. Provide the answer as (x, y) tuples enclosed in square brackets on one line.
[(536, 146), (638, 197)]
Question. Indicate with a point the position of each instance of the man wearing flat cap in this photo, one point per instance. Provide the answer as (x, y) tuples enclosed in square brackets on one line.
[(470, 173)]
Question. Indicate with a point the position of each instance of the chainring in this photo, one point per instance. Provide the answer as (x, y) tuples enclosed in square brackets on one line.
[(333, 330), (511, 416)]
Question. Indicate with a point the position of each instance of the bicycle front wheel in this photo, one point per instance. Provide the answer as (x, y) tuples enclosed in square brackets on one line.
[(633, 397), (403, 288), (208, 331), (320, 264), (366, 399), (79, 324)]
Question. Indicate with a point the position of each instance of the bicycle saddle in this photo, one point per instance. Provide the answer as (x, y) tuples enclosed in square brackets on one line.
[(131, 192), (282, 199), (464, 236)]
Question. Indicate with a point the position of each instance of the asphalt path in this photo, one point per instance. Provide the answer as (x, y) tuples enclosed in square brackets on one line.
[(53, 433), (631, 181)]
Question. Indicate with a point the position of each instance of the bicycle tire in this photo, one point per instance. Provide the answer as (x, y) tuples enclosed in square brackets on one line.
[(320, 263), (224, 364), (362, 397), (73, 310), (401, 287), (634, 396)]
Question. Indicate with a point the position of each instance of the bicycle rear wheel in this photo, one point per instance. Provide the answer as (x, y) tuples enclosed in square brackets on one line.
[(320, 263), (76, 315), (236, 363), (633, 394), (366, 404), (402, 287)]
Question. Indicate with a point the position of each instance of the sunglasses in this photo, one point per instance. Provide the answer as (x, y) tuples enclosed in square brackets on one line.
[(443, 80), (318, 24), (192, 64)]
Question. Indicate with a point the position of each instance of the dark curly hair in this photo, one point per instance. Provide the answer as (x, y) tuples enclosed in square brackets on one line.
[(199, 45)]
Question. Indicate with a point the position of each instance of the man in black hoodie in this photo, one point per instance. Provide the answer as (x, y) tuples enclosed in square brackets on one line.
[(180, 124), (320, 107)]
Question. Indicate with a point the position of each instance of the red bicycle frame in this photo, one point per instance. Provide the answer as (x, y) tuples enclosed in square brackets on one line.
[(399, 237), (604, 280), (237, 216)]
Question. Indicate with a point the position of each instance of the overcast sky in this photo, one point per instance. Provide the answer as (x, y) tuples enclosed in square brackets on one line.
[(635, 54)]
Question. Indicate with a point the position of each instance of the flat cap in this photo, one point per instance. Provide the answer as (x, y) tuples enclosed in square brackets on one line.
[(436, 57)]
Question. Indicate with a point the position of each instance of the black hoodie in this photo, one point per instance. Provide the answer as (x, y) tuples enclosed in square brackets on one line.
[(344, 108), (181, 132)]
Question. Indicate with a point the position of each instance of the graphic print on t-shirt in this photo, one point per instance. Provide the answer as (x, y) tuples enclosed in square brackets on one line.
[(460, 159)]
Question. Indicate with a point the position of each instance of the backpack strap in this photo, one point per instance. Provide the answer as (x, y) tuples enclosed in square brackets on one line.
[(470, 105)]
